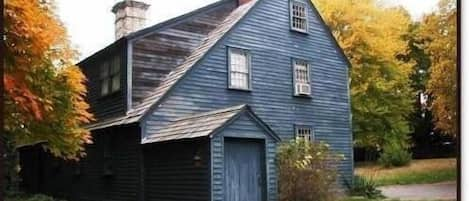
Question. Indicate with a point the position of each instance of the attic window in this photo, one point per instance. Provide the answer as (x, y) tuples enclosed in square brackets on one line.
[(239, 65), (304, 133), (110, 76), (298, 16)]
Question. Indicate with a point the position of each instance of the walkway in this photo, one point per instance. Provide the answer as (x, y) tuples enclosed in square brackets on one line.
[(438, 191)]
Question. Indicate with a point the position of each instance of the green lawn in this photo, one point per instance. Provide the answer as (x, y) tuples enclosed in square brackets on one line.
[(418, 172)]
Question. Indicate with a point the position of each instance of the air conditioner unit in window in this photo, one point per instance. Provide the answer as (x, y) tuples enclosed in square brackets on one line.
[(302, 89)]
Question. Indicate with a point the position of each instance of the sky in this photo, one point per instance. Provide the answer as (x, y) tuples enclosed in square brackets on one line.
[(90, 23)]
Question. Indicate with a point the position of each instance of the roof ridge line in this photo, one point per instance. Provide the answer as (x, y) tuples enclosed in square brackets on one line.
[(171, 21)]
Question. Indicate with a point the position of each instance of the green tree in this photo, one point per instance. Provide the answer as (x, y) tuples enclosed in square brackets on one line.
[(438, 30), (372, 38)]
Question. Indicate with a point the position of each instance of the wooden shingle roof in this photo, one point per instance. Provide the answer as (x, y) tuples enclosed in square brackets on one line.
[(204, 124), (152, 100), (193, 126)]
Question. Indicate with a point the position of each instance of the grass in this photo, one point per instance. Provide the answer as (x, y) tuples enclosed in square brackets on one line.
[(418, 172)]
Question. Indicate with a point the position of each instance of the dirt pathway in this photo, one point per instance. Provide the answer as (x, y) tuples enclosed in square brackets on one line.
[(438, 191)]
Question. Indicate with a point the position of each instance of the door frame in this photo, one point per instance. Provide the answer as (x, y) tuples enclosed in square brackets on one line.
[(264, 162)]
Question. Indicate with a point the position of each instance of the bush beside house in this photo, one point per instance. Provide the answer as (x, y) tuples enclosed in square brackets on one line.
[(301, 164)]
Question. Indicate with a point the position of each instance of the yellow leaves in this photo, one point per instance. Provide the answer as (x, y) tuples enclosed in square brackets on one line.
[(439, 30), (357, 24), (372, 37), (75, 81)]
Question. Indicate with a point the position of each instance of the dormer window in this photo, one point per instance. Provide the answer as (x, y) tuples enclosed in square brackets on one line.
[(239, 66), (298, 16), (110, 76)]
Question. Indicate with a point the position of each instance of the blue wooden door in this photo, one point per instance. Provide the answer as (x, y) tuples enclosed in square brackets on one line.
[(244, 170)]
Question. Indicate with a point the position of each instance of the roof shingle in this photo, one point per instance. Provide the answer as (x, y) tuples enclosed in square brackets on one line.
[(139, 111), (204, 124)]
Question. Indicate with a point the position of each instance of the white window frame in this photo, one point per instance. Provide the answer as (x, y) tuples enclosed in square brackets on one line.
[(110, 76), (298, 81), (304, 132), (247, 53), (293, 17)]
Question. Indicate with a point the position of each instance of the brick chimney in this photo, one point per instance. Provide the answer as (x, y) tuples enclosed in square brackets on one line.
[(130, 16)]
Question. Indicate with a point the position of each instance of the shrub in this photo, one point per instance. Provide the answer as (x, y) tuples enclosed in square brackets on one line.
[(307, 172), (394, 155), (364, 187)]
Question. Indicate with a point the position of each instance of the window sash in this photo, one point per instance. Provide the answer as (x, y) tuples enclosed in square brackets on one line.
[(304, 132), (299, 10), (239, 80), (116, 83), (115, 66), (239, 67), (110, 76), (104, 78), (105, 86), (302, 71), (104, 70)]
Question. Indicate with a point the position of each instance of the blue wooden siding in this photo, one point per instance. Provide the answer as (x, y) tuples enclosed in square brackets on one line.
[(266, 33), (243, 127)]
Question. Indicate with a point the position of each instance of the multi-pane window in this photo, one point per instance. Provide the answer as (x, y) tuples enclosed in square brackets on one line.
[(110, 76), (301, 77), (239, 69), (298, 16), (304, 132)]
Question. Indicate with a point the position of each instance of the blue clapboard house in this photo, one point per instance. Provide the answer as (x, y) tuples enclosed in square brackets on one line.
[(193, 108)]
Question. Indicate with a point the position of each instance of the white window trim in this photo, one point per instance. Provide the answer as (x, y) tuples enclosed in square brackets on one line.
[(248, 59), (308, 68), (306, 16), (311, 136)]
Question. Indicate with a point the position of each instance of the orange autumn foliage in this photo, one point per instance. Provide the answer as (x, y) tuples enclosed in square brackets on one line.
[(22, 96), (44, 91)]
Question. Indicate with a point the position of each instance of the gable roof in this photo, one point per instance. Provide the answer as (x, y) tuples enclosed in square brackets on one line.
[(204, 124), (139, 111)]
